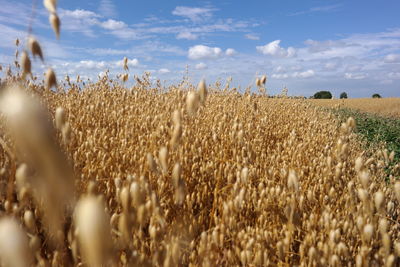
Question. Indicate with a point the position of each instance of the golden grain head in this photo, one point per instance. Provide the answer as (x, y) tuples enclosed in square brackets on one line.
[(263, 80), (202, 89), (192, 102), (50, 5), (14, 249), (26, 64), (50, 79), (93, 230), (35, 48), (163, 157), (60, 118), (125, 63), (55, 24)]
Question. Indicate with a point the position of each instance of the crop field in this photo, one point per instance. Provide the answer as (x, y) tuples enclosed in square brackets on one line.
[(103, 173), (181, 176), (388, 107)]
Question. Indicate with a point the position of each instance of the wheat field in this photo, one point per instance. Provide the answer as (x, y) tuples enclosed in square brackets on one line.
[(388, 107)]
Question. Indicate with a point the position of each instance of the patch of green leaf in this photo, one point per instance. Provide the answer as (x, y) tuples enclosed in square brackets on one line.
[(376, 131)]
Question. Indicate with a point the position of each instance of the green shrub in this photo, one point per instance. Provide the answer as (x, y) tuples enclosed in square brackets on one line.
[(323, 95), (376, 96)]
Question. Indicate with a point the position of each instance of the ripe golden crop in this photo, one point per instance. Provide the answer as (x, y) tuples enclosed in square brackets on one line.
[(174, 177), (104, 175), (382, 106)]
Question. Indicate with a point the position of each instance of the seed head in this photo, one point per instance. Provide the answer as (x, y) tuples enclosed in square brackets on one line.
[(151, 163), (125, 63), (35, 48), (364, 178), (163, 157), (176, 174), (202, 89), (29, 220), (263, 80), (397, 190), (192, 102), (383, 225), (93, 230), (176, 117), (351, 123), (358, 164), (66, 133), (368, 232), (55, 24), (50, 79), (26, 64), (50, 5), (60, 118), (293, 182), (379, 198), (14, 249)]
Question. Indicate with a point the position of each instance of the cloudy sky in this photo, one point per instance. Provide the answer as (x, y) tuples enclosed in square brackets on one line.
[(306, 45)]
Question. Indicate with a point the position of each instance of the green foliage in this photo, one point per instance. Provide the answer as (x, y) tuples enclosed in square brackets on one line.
[(323, 95), (376, 96), (343, 95), (376, 130)]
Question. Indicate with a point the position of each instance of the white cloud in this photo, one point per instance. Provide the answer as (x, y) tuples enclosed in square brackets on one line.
[(354, 76), (317, 9), (392, 58), (131, 62), (186, 35), (111, 24), (12, 12), (230, 52), (252, 36), (164, 71), (107, 8), (79, 20), (330, 66), (204, 52), (90, 64), (353, 68), (304, 74), (201, 66), (274, 49), (195, 14), (78, 14), (280, 76), (280, 69)]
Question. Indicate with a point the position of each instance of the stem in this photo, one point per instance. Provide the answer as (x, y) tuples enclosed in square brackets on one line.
[(32, 18)]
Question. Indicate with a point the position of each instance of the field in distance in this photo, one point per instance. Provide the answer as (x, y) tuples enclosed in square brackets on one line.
[(382, 106)]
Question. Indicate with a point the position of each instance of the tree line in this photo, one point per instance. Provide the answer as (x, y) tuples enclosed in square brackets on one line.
[(343, 95)]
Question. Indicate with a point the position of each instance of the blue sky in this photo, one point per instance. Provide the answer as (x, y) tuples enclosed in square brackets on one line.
[(306, 45)]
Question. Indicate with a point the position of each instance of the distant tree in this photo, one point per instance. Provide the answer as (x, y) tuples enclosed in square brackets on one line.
[(343, 95), (376, 96), (323, 95)]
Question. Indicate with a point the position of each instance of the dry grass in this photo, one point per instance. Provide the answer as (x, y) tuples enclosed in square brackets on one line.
[(382, 106), (244, 181)]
